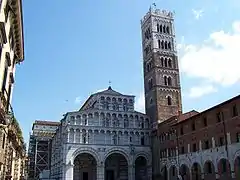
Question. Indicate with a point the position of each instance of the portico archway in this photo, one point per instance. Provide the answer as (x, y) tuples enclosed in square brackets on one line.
[(196, 172), (85, 167), (141, 172), (116, 167), (184, 172)]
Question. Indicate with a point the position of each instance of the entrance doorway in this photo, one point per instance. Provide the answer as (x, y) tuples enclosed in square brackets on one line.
[(85, 167), (85, 175), (109, 175), (116, 167)]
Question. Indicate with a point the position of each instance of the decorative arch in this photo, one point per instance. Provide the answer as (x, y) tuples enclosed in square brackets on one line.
[(209, 170), (184, 172), (85, 163), (224, 168), (237, 167), (145, 155), (141, 168), (119, 151), (196, 171), (169, 100), (87, 150)]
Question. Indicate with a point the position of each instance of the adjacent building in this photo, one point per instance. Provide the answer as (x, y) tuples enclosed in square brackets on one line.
[(105, 139), (40, 148), (202, 145), (12, 148)]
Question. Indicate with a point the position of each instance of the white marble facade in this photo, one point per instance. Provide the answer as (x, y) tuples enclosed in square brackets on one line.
[(108, 135)]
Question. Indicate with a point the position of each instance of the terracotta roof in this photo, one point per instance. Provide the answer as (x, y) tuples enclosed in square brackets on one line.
[(187, 115)]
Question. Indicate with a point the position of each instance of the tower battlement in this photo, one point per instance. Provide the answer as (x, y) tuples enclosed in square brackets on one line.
[(157, 12)]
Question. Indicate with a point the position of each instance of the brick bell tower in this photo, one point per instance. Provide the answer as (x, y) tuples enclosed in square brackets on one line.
[(160, 64)]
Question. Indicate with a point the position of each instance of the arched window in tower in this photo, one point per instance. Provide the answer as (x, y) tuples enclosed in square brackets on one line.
[(162, 44), (166, 62), (160, 28), (169, 63), (161, 59), (166, 45), (165, 80), (151, 65), (159, 44), (164, 29), (148, 67), (150, 84), (169, 46), (167, 29), (169, 81), (169, 100)]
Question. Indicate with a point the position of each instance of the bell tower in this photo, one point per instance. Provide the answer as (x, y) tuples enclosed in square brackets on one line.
[(160, 64)]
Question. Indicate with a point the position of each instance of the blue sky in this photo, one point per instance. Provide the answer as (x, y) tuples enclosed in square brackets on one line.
[(74, 49)]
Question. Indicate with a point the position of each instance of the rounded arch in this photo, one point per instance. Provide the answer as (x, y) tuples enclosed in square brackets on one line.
[(237, 167), (169, 100), (145, 155), (224, 168), (85, 164), (86, 150), (116, 150), (141, 168), (209, 170), (184, 172), (116, 165), (196, 171)]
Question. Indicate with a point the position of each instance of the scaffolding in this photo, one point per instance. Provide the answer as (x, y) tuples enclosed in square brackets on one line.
[(39, 152), (39, 156)]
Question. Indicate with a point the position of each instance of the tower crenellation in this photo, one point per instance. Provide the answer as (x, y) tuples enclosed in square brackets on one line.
[(160, 63)]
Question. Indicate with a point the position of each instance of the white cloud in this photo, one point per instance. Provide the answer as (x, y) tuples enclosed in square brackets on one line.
[(78, 100), (197, 13), (198, 91), (140, 103), (216, 59)]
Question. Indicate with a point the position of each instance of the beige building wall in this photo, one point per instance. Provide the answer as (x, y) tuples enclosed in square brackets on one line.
[(11, 53)]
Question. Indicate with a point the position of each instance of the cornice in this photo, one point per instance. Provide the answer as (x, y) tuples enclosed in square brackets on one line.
[(17, 25)]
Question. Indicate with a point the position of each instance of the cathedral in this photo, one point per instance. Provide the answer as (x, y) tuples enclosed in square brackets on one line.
[(105, 139)]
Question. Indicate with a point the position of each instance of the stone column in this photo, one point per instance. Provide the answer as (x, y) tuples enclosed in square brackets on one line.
[(228, 138), (100, 172), (68, 172), (68, 135), (74, 135), (131, 172), (200, 145), (213, 142)]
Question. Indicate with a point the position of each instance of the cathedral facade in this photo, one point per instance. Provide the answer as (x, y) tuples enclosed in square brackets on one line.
[(105, 139)]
